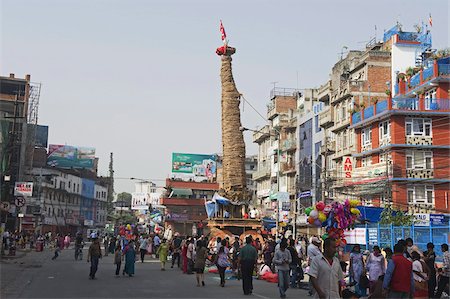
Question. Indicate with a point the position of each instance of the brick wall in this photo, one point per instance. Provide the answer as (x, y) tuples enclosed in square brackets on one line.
[(284, 103)]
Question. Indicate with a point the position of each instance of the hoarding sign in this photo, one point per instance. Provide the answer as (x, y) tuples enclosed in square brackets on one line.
[(23, 189), (198, 165), (88, 222), (67, 156)]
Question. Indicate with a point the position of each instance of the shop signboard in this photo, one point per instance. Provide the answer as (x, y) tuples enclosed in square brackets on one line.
[(421, 219), (23, 189), (438, 219)]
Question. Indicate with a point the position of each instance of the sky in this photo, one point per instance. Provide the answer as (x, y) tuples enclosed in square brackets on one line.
[(141, 78)]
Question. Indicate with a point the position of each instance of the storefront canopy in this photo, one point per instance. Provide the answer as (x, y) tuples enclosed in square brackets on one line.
[(180, 192)]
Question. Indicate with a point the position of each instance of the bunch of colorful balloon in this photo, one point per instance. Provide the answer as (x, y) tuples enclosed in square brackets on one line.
[(335, 218), (127, 231)]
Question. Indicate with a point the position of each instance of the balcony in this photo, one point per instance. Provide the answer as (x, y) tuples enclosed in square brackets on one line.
[(326, 118), (262, 172), (288, 167), (289, 145), (330, 148), (261, 134), (403, 105)]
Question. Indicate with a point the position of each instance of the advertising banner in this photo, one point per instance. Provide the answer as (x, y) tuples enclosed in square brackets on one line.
[(421, 219), (23, 189), (438, 219), (67, 156), (198, 165)]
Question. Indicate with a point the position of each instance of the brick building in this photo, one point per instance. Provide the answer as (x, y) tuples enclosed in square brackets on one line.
[(185, 203), (403, 143)]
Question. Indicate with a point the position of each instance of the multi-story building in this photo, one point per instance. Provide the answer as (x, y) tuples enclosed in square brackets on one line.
[(311, 138), (403, 143), (356, 81), (185, 202), (251, 164), (277, 143), (66, 201), (18, 115)]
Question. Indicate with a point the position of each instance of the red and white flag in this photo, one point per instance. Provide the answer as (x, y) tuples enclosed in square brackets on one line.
[(222, 31), (430, 20)]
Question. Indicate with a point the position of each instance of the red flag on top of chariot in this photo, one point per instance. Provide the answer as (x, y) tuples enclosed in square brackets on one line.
[(222, 30), (430, 21)]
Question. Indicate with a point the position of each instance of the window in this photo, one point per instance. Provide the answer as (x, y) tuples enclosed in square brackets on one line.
[(367, 161), (385, 157), (423, 194), (344, 139), (384, 130), (418, 127), (351, 138), (419, 159), (366, 136), (316, 123), (343, 113), (430, 99)]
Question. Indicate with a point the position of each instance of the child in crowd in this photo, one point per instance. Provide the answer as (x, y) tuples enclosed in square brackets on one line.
[(118, 258)]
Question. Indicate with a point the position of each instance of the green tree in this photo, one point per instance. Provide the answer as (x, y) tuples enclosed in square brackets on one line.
[(125, 197), (396, 217)]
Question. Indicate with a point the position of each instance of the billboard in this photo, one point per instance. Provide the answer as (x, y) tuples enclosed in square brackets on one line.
[(41, 139), (197, 165), (67, 156)]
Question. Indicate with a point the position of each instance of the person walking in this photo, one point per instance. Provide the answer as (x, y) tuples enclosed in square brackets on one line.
[(130, 258), (326, 273), (312, 251), (222, 262), (357, 269), (57, 247), (184, 248), (163, 251), (106, 243), (247, 260), (143, 243), (176, 250), (420, 270), (156, 243), (444, 277), (94, 255), (294, 263), (282, 260), (430, 259), (398, 281), (376, 266), (190, 255), (112, 245), (118, 259), (201, 254), (67, 241)]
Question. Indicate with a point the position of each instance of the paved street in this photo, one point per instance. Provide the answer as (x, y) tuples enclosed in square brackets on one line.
[(37, 276)]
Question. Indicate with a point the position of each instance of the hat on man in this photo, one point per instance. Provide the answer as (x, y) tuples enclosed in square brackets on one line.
[(315, 240)]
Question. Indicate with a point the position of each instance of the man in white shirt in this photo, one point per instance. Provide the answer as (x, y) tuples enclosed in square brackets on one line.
[(325, 272), (312, 251)]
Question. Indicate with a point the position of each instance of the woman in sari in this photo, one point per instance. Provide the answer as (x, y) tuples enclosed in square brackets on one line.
[(130, 258), (184, 248), (357, 269)]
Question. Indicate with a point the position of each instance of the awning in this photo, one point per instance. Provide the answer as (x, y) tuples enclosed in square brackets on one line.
[(180, 192)]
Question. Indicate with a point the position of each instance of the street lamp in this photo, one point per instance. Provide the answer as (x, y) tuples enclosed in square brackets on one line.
[(242, 129)]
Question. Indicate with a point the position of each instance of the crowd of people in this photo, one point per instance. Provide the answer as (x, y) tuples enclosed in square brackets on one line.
[(405, 272)]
